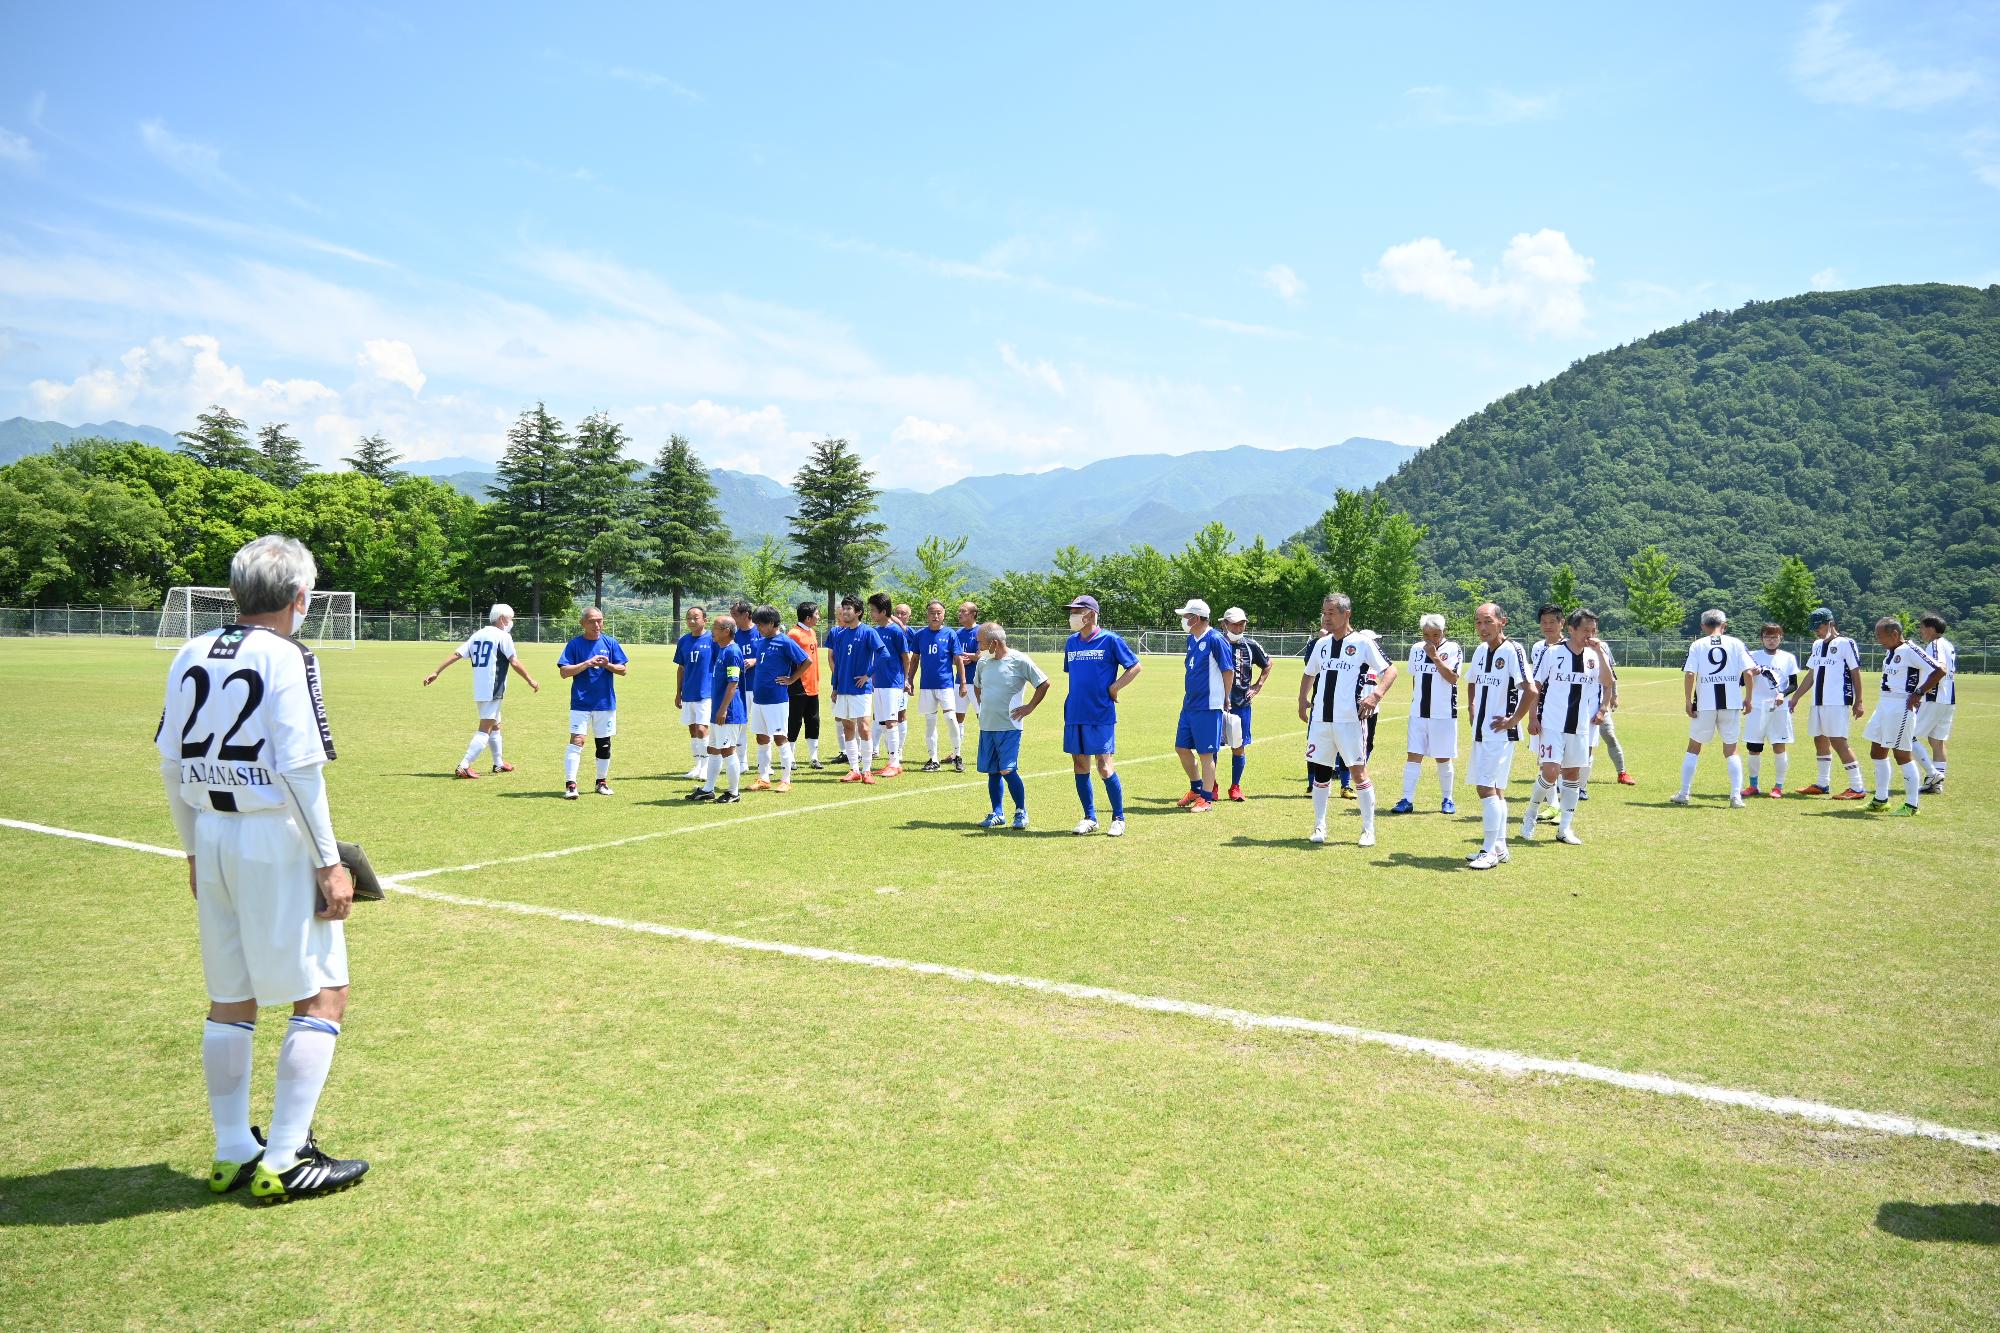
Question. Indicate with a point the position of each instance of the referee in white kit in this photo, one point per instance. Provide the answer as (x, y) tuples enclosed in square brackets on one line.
[(242, 739)]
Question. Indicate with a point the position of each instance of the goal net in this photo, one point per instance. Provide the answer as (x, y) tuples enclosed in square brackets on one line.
[(191, 611)]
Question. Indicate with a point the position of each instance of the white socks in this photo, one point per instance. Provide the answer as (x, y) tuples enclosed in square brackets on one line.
[(572, 757), (603, 768), (1783, 762), (1321, 790), (1570, 791), (814, 751), (734, 761), (472, 750), (1755, 766), (1826, 770), (711, 764), (493, 744), (788, 753), (302, 1064), (1854, 776), (1911, 782), (1537, 798), (1493, 819), (930, 735), (764, 763), (225, 1062), (1364, 796), (1411, 772), (1735, 762), (1446, 777), (698, 748), (1881, 779), (857, 753), (1689, 762)]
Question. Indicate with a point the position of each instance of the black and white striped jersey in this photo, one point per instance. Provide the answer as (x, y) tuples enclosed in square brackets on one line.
[(1572, 684), (1835, 663), (1717, 663), (1494, 675), (1430, 695)]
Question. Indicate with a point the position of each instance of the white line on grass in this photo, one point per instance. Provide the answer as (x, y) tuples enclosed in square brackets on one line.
[(781, 813), (1451, 1052)]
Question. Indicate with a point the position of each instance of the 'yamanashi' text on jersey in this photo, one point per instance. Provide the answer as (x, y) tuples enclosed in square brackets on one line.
[(1572, 684), (490, 650), (1343, 668), (1717, 664), (1496, 675), (1836, 664), (242, 706), (1777, 673), (1430, 695), (1093, 664)]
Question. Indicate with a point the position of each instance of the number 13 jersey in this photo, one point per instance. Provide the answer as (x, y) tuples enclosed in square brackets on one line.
[(243, 705)]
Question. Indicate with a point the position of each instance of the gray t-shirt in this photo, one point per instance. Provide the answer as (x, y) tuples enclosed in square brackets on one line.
[(1003, 685)]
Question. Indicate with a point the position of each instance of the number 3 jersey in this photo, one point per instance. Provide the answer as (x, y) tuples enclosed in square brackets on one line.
[(490, 651), (243, 705)]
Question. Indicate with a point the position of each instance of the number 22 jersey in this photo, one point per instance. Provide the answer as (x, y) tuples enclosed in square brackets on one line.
[(243, 705)]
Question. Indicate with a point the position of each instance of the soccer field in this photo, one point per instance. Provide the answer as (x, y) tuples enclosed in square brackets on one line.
[(918, 1112)]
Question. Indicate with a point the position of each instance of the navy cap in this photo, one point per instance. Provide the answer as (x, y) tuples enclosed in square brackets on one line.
[(1820, 616), (1083, 603)]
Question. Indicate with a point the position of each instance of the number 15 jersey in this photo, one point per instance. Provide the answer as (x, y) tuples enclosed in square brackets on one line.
[(243, 705)]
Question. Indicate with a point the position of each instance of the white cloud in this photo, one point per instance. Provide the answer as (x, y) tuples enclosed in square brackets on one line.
[(758, 440), (1041, 372), (1437, 104), (1289, 286), (177, 377), (1825, 280), (392, 360), (15, 150), (1828, 66), (1539, 281), (646, 78), (197, 161)]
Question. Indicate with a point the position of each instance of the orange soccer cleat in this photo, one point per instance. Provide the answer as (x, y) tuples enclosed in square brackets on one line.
[(1851, 794), (1192, 798), (761, 784), (1627, 780), (464, 773), (1813, 790)]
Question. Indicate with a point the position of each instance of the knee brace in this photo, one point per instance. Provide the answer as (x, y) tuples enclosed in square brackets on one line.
[(603, 747), (1321, 773), (1754, 747)]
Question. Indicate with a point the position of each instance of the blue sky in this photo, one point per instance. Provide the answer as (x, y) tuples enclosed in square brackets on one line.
[(969, 241)]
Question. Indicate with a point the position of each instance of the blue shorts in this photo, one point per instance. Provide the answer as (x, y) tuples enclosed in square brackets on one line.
[(1243, 715), (999, 751), (1090, 738), (1200, 731)]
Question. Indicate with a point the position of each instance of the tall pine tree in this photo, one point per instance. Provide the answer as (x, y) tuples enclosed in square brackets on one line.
[(533, 541), (376, 459), (219, 440), (1649, 591), (282, 459), (688, 548), (835, 540), (600, 501), (1790, 597)]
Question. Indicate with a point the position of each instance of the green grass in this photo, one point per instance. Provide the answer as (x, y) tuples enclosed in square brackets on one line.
[(578, 1126)]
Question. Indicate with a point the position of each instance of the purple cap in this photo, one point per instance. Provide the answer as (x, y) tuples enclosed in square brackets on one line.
[(1083, 603)]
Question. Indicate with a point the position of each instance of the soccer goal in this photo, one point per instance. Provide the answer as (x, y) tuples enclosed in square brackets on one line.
[(191, 611)]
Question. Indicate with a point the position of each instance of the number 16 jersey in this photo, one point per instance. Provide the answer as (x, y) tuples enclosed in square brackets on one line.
[(243, 705)]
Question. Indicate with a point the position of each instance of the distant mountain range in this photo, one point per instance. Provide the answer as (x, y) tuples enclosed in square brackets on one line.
[(20, 436), (1016, 520), (1010, 521)]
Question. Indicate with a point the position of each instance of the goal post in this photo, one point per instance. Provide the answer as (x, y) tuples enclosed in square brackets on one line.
[(187, 612)]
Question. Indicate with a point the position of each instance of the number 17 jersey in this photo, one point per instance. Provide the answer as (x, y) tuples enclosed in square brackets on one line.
[(243, 705)]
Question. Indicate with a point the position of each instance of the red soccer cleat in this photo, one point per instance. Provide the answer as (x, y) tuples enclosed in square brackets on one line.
[(503, 768), (868, 778), (1235, 792), (1777, 793), (1627, 780), (1200, 806), (465, 773), (1814, 790), (852, 776), (1190, 799), (1852, 795), (1749, 791)]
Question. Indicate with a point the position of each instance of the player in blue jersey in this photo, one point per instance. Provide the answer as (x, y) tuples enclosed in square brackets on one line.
[(936, 649), (728, 685), (1100, 665), (694, 664), (892, 667), (591, 662), (968, 660), (747, 640), (1210, 666), (851, 650), (1247, 658), (780, 661)]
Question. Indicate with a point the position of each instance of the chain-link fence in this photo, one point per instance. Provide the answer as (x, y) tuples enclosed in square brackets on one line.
[(638, 627)]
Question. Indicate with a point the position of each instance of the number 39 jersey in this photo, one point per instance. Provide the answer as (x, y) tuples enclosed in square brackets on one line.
[(243, 705), (491, 651)]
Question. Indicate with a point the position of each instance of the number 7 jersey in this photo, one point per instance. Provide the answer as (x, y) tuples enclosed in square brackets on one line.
[(242, 705)]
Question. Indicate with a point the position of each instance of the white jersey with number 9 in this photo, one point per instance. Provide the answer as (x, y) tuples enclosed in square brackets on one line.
[(243, 705)]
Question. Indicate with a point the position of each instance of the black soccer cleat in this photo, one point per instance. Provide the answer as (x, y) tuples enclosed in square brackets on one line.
[(817, 764), (958, 763), (932, 767), (314, 1173), (699, 794), (728, 798), (226, 1176)]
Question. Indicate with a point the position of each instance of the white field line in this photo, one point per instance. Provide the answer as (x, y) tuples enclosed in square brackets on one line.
[(915, 789), (1450, 1052)]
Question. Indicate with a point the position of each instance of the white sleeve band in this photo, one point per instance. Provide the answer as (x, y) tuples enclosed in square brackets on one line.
[(305, 793), (170, 774)]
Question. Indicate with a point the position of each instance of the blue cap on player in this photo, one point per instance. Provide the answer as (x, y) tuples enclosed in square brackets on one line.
[(1820, 616)]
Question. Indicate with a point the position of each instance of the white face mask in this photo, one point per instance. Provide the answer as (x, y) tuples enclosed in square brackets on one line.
[(298, 618), (1076, 620), (1235, 635)]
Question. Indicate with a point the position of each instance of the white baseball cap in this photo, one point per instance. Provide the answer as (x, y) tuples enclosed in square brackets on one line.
[(1234, 615), (1195, 607)]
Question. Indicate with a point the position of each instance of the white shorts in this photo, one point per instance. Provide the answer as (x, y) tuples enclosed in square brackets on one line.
[(595, 724), (256, 900), (725, 735), (853, 707), (1563, 749), (770, 719), (1829, 720), (1934, 720), (1723, 724), (889, 703), (489, 710), (1892, 724), (967, 705), (1327, 741), (1768, 726), (696, 712), (1492, 762), (944, 700), (1433, 737)]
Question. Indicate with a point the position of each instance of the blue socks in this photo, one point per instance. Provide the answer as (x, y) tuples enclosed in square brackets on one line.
[(1114, 787), (1015, 789), (1236, 762), (993, 791), (1086, 795)]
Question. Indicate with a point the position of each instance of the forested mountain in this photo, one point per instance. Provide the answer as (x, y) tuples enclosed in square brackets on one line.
[(21, 436), (1859, 430)]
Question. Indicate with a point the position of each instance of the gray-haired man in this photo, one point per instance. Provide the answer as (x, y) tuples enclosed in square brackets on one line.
[(1716, 686)]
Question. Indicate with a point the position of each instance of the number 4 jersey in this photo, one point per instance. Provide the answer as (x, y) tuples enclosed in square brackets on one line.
[(243, 705)]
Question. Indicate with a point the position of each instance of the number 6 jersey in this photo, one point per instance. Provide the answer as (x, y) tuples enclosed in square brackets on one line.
[(243, 705)]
